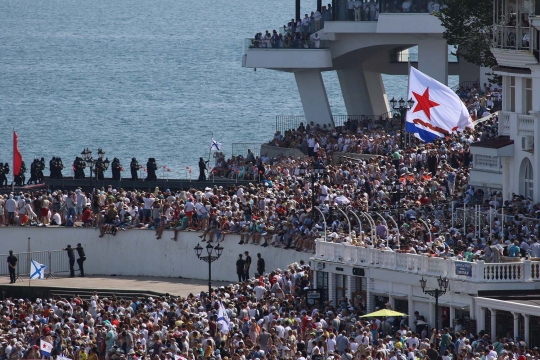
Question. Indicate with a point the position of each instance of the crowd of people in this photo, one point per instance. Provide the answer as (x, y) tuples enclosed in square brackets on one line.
[(266, 317), (416, 195)]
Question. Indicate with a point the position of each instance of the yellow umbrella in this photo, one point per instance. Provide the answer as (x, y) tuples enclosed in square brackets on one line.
[(384, 313)]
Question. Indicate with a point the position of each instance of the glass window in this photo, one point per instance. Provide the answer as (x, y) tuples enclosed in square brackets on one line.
[(528, 96), (341, 287), (511, 105), (322, 283)]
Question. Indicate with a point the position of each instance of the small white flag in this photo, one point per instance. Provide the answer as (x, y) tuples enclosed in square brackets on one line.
[(215, 146), (223, 319), (37, 270)]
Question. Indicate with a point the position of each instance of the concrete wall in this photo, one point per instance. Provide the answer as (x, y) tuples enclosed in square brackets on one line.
[(137, 252), (273, 151), (288, 58)]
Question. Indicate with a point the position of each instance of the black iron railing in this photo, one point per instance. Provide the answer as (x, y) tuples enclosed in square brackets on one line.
[(290, 122)]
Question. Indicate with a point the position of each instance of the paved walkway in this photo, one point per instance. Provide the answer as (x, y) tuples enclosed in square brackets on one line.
[(173, 286)]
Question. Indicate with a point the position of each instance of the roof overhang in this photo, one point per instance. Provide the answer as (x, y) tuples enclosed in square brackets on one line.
[(501, 146)]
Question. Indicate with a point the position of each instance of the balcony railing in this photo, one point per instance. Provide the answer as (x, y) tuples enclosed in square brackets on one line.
[(504, 123), (514, 37), (525, 125), (286, 44), (289, 122), (479, 272)]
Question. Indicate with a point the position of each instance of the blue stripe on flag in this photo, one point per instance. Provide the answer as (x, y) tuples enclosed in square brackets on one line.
[(425, 136)]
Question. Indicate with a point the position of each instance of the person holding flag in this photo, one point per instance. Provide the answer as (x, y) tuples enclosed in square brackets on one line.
[(223, 319), (437, 110), (202, 169)]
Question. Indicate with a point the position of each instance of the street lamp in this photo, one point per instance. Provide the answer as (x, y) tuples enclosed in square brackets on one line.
[(443, 285), (87, 157), (318, 170), (402, 106), (210, 258)]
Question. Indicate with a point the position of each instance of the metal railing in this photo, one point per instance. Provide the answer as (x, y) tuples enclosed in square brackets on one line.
[(292, 122), (56, 261), (514, 37), (286, 43), (242, 149)]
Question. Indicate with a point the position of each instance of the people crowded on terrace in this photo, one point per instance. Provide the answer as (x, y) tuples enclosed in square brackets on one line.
[(267, 317)]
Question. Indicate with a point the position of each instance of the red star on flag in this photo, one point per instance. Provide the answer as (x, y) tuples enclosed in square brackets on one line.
[(423, 103)]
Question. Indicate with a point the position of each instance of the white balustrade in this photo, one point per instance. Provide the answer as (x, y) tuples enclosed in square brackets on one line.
[(524, 271), (525, 125), (487, 163), (504, 123), (498, 272)]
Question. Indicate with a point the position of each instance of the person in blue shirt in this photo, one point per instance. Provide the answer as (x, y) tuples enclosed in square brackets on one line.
[(514, 249)]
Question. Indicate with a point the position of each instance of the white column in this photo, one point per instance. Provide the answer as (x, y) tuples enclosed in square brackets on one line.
[(369, 295), (377, 92), (355, 91), (519, 95), (481, 319), (526, 319), (433, 59), (332, 288), (516, 324), (452, 315), (536, 155), (314, 283), (392, 302), (410, 302), (535, 74), (350, 287), (313, 96), (506, 184), (432, 315), (493, 323)]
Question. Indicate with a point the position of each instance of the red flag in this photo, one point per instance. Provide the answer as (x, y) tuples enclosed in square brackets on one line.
[(17, 157)]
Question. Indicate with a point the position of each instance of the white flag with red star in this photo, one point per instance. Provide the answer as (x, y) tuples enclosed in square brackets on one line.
[(437, 110), (45, 348)]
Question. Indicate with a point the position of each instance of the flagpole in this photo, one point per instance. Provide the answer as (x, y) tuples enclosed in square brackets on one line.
[(13, 162), (210, 151)]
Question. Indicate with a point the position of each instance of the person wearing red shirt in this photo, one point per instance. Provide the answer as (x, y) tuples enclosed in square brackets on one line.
[(87, 216)]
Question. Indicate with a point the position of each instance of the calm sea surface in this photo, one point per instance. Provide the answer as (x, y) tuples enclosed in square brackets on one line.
[(142, 78)]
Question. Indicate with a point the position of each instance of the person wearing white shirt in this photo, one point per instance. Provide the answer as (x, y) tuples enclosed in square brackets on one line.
[(316, 41)]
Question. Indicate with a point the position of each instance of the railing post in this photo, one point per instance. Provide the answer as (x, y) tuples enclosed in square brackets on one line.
[(395, 259), (50, 265), (527, 271), (480, 265)]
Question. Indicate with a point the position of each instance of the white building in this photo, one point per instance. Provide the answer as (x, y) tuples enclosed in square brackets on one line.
[(508, 162), (496, 297)]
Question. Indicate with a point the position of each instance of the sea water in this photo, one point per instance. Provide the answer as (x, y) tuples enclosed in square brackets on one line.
[(142, 79)]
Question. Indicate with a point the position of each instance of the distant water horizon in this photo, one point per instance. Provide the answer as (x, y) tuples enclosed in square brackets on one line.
[(142, 79)]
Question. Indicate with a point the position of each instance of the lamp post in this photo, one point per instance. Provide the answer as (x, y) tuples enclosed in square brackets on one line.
[(209, 259), (87, 157), (443, 285), (402, 106), (318, 170)]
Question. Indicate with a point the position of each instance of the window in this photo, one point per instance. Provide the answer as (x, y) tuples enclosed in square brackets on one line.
[(526, 175), (341, 287), (528, 96), (511, 102), (322, 283), (359, 296)]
